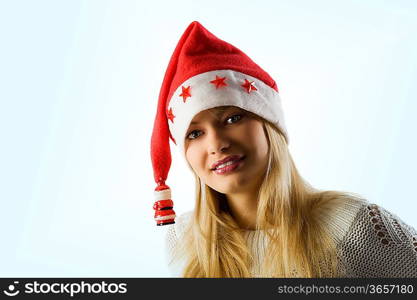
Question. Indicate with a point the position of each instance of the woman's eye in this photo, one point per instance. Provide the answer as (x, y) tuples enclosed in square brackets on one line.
[(196, 133), (234, 118), (192, 136)]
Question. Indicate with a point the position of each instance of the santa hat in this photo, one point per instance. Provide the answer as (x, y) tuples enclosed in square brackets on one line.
[(204, 72)]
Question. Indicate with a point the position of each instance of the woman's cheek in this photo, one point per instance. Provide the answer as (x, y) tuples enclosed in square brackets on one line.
[(189, 157), (193, 158)]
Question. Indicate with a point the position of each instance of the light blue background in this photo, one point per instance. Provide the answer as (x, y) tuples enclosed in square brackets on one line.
[(79, 86)]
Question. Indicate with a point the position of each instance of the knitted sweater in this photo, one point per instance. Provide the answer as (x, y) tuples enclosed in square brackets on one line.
[(371, 242)]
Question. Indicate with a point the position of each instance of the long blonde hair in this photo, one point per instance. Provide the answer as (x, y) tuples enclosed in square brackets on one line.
[(289, 213)]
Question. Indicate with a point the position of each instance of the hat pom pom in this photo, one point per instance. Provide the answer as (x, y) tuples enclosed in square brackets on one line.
[(163, 206)]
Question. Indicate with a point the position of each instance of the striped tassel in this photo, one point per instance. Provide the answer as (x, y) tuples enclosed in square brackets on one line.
[(163, 206)]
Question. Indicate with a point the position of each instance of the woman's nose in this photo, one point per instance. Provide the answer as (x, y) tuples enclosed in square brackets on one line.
[(217, 142)]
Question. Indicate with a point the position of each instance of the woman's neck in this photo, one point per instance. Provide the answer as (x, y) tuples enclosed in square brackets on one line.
[(243, 208)]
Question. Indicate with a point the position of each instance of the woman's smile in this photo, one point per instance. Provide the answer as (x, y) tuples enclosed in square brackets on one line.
[(229, 167)]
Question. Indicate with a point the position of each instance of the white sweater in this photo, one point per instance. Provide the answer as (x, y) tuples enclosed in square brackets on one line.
[(371, 242)]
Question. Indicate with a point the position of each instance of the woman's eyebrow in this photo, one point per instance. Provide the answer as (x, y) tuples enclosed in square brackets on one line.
[(221, 112)]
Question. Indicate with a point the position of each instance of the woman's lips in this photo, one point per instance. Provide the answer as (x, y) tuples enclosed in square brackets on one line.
[(229, 168)]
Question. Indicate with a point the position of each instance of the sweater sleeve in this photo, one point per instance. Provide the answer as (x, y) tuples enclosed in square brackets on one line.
[(173, 239), (379, 244)]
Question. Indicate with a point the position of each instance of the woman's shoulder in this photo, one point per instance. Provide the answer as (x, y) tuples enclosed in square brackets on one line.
[(338, 214), (181, 222), (177, 230), (385, 226), (173, 239), (378, 243)]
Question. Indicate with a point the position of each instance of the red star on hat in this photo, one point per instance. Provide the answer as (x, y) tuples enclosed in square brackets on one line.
[(185, 93), (170, 115), (219, 82), (249, 86)]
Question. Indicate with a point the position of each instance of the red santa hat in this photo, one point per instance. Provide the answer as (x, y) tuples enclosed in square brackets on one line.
[(204, 72)]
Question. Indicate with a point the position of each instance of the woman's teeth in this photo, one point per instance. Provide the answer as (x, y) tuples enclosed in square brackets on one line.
[(225, 164)]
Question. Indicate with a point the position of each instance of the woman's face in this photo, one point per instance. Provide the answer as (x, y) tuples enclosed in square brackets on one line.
[(216, 134)]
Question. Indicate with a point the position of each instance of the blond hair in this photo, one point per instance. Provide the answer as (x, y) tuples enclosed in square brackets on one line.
[(289, 213)]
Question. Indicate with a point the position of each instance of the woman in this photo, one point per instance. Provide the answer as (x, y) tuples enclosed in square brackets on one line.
[(254, 214)]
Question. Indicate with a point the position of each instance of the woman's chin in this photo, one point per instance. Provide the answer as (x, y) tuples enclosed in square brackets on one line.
[(231, 188)]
